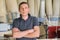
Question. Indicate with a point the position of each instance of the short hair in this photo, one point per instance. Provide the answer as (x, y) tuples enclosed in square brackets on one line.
[(23, 3)]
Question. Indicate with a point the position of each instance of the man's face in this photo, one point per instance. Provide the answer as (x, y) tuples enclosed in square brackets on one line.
[(24, 9)]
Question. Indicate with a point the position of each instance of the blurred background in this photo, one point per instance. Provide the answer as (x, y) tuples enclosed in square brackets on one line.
[(47, 12)]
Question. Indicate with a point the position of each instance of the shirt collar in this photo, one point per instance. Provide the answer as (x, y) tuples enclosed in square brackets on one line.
[(28, 16)]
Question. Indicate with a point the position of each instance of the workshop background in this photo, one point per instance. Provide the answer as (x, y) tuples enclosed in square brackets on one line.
[(47, 12)]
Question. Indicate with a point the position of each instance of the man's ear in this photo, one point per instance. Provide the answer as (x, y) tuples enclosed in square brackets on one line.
[(19, 10)]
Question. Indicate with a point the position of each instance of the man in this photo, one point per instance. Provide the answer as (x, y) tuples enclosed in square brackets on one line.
[(26, 27)]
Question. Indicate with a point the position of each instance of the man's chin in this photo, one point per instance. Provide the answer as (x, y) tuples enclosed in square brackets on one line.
[(24, 14)]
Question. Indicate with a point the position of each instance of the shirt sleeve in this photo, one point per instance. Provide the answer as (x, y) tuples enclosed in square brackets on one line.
[(14, 23), (35, 21)]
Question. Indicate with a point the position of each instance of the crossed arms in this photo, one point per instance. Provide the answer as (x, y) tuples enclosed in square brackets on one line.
[(32, 33)]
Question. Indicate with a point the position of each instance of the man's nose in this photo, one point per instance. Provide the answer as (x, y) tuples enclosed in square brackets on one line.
[(23, 9)]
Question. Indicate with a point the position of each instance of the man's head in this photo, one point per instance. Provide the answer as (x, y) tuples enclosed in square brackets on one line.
[(23, 8)]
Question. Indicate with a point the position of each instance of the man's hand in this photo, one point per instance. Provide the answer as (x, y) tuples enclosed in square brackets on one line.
[(30, 31), (16, 30)]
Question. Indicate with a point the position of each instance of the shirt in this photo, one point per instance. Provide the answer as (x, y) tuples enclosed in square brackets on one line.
[(23, 25)]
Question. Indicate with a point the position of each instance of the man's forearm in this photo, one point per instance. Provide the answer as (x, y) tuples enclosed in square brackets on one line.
[(32, 35), (35, 34), (21, 34)]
